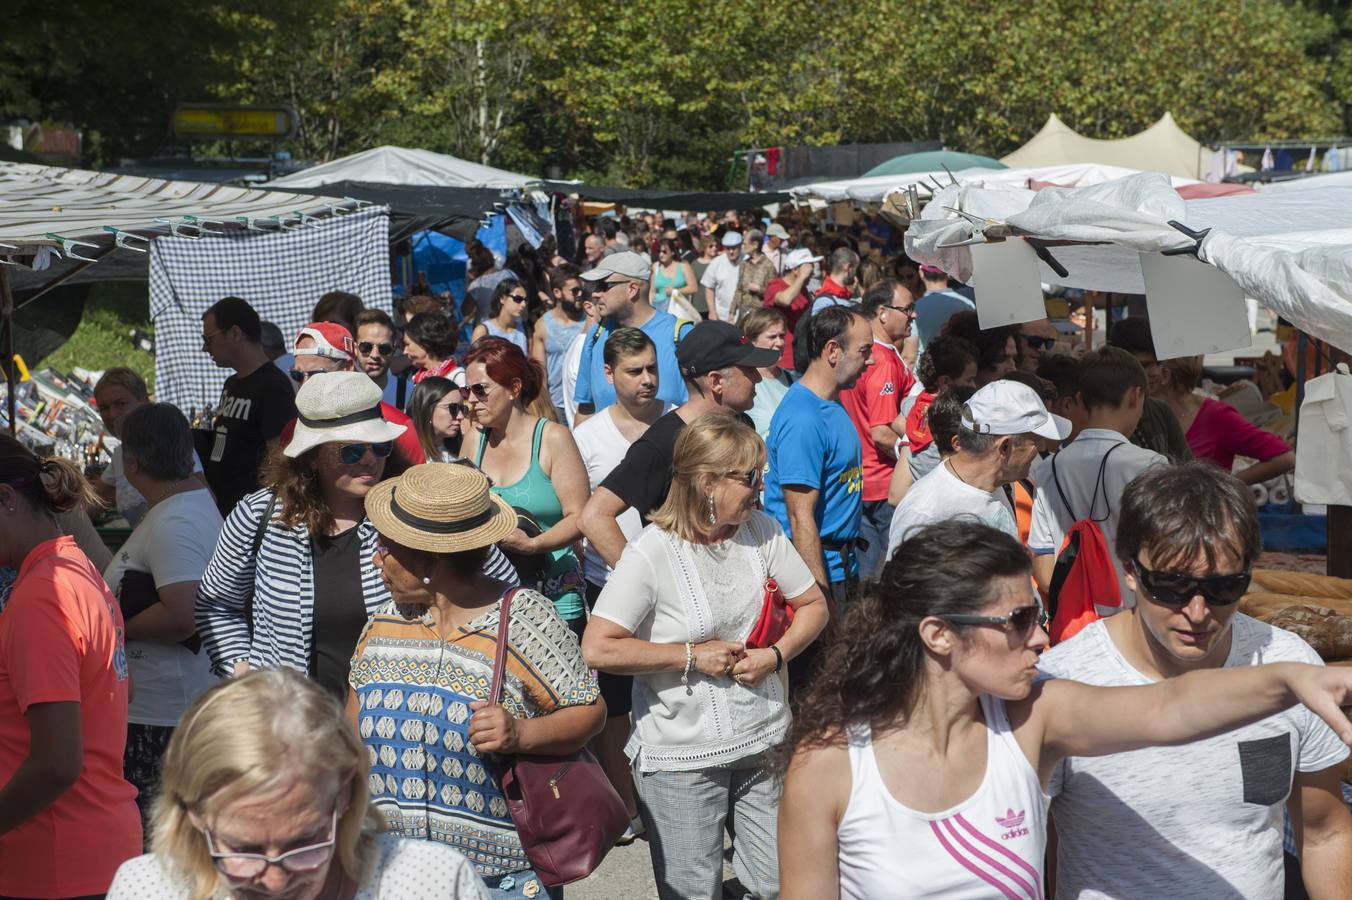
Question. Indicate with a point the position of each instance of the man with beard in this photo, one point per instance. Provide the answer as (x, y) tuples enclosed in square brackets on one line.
[(555, 330)]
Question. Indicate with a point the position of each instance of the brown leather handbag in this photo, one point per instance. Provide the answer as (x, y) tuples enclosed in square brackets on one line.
[(566, 812)]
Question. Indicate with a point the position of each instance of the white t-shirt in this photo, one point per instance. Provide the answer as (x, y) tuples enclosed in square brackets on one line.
[(173, 543), (1198, 820), (403, 870), (129, 501), (721, 275), (668, 591), (1077, 469), (941, 496), (572, 360), (603, 448)]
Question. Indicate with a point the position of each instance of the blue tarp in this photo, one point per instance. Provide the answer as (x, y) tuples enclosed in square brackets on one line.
[(442, 258)]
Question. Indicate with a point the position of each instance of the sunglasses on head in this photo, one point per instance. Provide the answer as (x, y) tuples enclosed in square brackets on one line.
[(1019, 621), (351, 454), (1039, 343), (367, 347), (1177, 589)]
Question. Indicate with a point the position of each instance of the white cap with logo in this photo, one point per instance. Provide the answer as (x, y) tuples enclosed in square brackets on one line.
[(800, 257), (1008, 407)]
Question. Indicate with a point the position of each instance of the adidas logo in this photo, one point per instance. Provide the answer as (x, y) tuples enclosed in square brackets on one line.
[(1013, 821)]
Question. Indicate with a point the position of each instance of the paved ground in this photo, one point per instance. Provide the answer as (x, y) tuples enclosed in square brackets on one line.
[(626, 874)]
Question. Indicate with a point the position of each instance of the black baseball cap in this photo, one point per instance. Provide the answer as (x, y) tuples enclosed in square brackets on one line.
[(717, 345)]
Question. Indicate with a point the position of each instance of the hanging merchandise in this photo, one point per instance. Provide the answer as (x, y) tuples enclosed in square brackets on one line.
[(1268, 163), (1324, 451)]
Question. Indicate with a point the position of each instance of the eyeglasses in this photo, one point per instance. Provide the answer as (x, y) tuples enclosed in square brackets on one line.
[(206, 338), (455, 410), (478, 392), (351, 454), (752, 479), (251, 865), (908, 310), (1178, 589), (366, 347), (1038, 343), (1019, 621)]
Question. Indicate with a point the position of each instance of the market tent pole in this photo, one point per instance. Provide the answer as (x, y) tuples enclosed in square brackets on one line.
[(7, 312)]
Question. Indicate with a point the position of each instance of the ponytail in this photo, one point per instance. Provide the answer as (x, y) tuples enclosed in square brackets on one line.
[(52, 484)]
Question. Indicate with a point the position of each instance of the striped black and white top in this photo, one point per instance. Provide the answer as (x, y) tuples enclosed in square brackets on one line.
[(281, 580)]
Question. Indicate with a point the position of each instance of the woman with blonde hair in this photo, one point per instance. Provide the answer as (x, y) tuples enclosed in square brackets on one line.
[(67, 816), (264, 794), (676, 614)]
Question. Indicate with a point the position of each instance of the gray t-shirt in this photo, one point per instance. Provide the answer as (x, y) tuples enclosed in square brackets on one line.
[(1201, 821)]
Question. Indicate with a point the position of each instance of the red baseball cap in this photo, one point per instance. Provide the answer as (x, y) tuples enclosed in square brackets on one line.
[(332, 341)]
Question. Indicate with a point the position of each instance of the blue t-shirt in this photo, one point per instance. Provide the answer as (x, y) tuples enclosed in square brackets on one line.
[(814, 443), (592, 386), (934, 309)]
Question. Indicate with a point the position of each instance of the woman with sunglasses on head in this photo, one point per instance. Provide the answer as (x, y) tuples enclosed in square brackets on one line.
[(437, 409), (672, 276), (264, 794), (422, 674), (678, 613), (508, 306), (533, 463), (292, 581), (928, 729)]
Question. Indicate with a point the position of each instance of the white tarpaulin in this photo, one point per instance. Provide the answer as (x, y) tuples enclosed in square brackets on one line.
[(400, 165), (1290, 251), (876, 188)]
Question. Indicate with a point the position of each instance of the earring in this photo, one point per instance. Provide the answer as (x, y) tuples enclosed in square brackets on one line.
[(713, 520), (427, 579)]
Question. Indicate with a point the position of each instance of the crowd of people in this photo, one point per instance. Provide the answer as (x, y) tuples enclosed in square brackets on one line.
[(782, 535)]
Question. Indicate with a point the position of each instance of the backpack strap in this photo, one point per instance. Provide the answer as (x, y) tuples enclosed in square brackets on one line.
[(1056, 480), (1100, 485), (680, 325)]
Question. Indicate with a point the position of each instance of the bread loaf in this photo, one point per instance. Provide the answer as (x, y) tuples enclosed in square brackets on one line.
[(1321, 627), (1276, 582)]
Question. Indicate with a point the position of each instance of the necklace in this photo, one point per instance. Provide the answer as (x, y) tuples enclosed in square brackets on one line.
[(949, 464)]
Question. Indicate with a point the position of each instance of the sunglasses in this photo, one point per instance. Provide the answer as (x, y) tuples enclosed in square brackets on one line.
[(602, 286), (752, 479), (1039, 343), (366, 347), (1177, 589), (519, 298), (251, 865), (477, 391), (351, 454), (455, 410), (575, 291), (908, 310), (1019, 621)]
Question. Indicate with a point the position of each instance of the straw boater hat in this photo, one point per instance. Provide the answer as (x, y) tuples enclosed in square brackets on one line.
[(339, 406), (440, 507)]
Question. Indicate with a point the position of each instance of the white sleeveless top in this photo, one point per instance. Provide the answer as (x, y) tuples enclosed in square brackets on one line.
[(990, 845)]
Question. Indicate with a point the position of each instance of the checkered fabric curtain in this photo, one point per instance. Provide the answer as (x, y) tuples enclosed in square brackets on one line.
[(281, 274)]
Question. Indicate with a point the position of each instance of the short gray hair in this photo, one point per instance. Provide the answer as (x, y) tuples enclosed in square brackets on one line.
[(975, 442), (157, 436)]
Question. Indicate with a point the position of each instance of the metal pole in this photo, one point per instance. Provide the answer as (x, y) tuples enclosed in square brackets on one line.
[(7, 312)]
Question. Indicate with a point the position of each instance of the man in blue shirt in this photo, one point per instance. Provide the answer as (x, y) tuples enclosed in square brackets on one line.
[(937, 305), (619, 286), (815, 480)]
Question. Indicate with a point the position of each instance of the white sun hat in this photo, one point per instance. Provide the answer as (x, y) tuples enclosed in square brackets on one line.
[(339, 406)]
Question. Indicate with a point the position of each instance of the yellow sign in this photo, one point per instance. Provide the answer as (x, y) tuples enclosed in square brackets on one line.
[(234, 121)]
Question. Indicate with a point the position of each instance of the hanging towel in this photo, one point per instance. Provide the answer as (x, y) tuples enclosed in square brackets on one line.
[(1267, 162)]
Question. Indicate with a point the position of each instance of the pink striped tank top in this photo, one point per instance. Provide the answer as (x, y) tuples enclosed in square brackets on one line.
[(990, 845)]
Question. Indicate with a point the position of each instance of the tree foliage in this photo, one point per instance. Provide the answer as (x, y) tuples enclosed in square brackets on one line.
[(660, 94)]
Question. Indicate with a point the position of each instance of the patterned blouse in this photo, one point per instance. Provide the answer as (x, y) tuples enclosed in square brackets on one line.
[(414, 691)]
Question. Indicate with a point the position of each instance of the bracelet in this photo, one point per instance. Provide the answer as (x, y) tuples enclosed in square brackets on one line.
[(689, 661), (779, 657)]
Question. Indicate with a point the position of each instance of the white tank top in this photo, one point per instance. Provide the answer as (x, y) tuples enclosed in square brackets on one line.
[(990, 845)]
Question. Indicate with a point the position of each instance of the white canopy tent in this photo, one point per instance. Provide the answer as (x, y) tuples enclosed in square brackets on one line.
[(1291, 251), (400, 165), (1163, 147), (876, 188)]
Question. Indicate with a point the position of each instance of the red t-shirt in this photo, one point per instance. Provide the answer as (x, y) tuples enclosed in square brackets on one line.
[(406, 445), (792, 313), (62, 640), (917, 423), (876, 399), (1219, 433)]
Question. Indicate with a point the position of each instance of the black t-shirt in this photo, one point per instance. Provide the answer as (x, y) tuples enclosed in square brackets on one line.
[(340, 609), (253, 410), (643, 477)]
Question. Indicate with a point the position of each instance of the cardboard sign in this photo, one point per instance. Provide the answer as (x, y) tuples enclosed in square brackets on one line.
[(1194, 307), (1007, 282)]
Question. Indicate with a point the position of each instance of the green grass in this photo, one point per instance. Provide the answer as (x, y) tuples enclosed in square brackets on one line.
[(103, 338)]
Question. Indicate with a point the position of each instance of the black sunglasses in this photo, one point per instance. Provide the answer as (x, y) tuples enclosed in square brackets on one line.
[(755, 478), (299, 377), (1039, 343), (575, 291), (1177, 589), (478, 391), (1019, 621), (600, 287), (367, 347), (456, 410), (351, 454), (519, 298)]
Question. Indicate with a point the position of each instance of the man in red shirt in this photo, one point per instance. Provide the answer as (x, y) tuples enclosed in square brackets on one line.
[(874, 404), (788, 294)]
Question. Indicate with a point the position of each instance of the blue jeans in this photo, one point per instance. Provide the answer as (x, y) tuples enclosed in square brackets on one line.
[(520, 886), (877, 523)]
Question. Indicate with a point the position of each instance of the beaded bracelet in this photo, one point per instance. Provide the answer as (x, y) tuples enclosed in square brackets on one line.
[(689, 661)]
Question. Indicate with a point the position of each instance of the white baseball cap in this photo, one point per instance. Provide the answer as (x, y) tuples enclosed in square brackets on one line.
[(777, 230), (1008, 407), (800, 257), (625, 263)]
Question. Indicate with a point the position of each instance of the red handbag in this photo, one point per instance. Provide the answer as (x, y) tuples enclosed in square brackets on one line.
[(566, 812), (775, 618)]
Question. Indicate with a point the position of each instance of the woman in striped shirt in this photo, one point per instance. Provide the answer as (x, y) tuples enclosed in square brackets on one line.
[(292, 581)]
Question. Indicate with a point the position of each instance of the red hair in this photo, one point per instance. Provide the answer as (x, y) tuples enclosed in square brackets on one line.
[(505, 363)]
